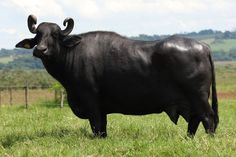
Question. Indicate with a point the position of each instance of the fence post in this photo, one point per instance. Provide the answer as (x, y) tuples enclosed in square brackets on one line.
[(0, 97), (62, 98), (55, 96), (10, 92), (26, 95)]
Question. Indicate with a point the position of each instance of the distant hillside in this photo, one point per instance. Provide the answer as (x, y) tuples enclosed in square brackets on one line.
[(223, 45), (201, 35), (19, 59)]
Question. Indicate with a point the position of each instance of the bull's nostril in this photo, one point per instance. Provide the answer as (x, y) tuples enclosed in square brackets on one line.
[(42, 49), (45, 51)]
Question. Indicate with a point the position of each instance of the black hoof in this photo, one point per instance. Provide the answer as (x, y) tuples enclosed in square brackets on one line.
[(100, 135), (190, 135)]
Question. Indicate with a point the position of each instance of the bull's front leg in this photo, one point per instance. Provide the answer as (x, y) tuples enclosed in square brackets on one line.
[(97, 119), (98, 124)]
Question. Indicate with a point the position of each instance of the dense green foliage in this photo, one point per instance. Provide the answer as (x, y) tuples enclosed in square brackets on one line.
[(19, 78)]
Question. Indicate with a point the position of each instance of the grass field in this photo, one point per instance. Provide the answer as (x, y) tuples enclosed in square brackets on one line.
[(5, 60), (225, 45), (47, 130), (226, 77), (222, 45), (44, 130)]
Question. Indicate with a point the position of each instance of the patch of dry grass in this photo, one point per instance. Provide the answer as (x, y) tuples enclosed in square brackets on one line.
[(18, 96)]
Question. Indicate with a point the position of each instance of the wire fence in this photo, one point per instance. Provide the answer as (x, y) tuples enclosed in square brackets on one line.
[(28, 95)]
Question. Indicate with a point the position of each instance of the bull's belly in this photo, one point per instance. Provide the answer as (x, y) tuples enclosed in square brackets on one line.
[(141, 103), (138, 94)]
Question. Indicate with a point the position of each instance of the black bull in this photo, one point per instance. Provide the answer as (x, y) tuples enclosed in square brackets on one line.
[(105, 73)]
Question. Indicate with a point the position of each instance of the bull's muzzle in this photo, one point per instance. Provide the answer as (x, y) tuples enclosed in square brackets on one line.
[(40, 51)]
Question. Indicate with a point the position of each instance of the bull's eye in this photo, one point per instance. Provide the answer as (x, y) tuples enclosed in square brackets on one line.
[(55, 35)]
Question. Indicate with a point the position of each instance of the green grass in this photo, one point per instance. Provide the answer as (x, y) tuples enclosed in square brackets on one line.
[(46, 130), (208, 40), (226, 76), (225, 45)]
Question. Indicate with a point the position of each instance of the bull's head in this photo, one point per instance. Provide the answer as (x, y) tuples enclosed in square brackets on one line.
[(49, 37)]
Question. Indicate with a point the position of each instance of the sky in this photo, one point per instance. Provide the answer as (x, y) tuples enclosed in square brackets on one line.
[(126, 17)]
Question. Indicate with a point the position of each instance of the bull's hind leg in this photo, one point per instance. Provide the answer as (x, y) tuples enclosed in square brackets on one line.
[(201, 112), (208, 123), (207, 118), (193, 125)]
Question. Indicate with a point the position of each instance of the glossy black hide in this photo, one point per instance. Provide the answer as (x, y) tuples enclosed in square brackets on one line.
[(105, 73)]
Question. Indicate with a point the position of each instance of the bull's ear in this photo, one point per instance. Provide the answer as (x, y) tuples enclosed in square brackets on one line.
[(26, 43), (70, 41)]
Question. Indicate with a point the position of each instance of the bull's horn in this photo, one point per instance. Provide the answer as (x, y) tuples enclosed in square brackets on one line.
[(32, 20), (70, 25)]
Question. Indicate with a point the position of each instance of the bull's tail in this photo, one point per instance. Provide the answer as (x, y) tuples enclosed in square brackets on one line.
[(214, 93)]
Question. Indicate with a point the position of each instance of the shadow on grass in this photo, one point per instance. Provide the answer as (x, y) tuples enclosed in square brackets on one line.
[(9, 140)]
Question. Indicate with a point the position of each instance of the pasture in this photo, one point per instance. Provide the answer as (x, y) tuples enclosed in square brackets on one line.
[(221, 45), (17, 96), (47, 130), (5, 60)]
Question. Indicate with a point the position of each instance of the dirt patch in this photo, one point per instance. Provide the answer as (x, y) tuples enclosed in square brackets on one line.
[(227, 95)]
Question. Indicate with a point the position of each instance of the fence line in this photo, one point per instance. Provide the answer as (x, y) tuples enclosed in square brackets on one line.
[(22, 87), (26, 89)]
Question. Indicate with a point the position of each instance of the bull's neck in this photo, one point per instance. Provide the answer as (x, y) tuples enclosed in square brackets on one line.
[(61, 67)]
